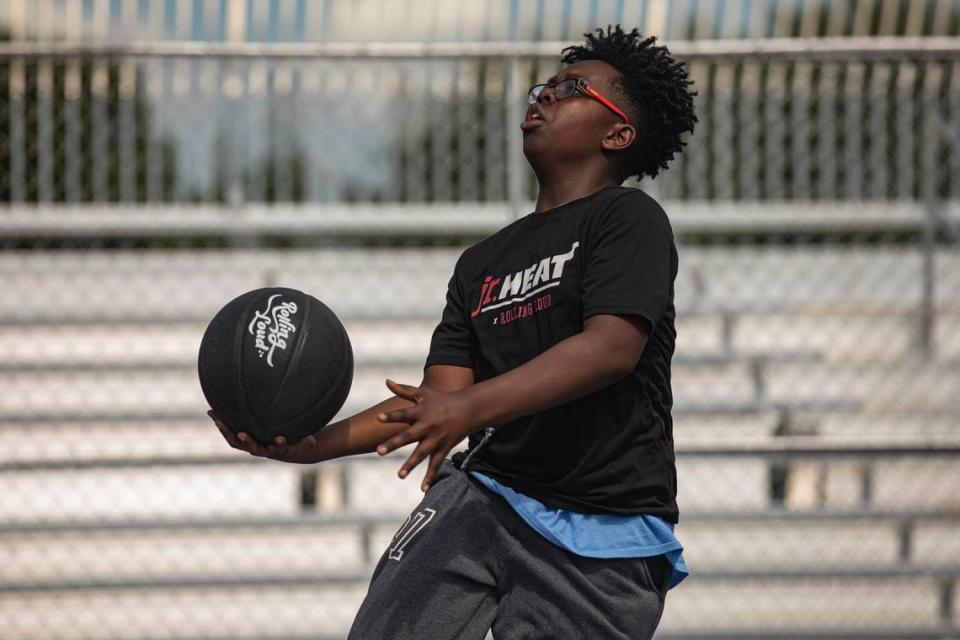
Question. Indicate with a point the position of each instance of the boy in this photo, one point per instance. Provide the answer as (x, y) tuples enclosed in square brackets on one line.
[(553, 356)]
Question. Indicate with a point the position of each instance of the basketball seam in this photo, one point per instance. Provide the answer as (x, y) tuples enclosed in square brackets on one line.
[(345, 371), (238, 359)]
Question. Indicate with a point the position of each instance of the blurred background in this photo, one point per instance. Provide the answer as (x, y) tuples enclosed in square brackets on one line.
[(160, 157)]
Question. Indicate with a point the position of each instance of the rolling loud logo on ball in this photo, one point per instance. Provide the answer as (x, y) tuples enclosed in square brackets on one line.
[(271, 327), (517, 287)]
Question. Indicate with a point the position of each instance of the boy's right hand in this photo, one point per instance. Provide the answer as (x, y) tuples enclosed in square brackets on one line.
[(279, 450)]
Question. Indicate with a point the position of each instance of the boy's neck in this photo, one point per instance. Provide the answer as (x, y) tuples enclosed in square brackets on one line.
[(561, 190)]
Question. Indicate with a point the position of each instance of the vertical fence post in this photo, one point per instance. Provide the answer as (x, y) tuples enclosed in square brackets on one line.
[(927, 302), (514, 138), (927, 316), (947, 589), (17, 90)]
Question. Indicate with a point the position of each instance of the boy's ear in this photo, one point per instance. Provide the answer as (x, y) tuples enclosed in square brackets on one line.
[(619, 137)]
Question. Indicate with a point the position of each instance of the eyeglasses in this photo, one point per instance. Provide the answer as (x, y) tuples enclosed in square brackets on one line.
[(568, 88)]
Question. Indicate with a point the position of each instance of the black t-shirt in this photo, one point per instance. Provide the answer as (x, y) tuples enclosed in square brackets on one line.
[(530, 285)]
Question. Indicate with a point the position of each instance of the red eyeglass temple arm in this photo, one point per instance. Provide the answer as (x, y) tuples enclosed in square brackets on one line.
[(593, 92)]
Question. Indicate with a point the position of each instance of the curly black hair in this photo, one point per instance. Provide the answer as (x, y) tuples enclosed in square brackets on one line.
[(656, 89)]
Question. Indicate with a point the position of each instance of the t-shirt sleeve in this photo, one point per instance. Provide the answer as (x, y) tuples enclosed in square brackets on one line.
[(451, 341), (631, 261)]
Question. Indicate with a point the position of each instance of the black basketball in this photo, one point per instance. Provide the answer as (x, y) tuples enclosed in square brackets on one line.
[(275, 361)]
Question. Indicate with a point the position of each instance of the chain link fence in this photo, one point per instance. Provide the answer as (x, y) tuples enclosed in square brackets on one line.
[(146, 182), (261, 124)]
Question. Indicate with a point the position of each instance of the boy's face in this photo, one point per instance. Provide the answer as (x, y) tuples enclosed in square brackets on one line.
[(570, 130)]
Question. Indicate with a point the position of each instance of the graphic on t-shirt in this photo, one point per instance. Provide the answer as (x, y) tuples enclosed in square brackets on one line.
[(511, 289)]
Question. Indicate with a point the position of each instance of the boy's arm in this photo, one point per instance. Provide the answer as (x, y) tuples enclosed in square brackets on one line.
[(606, 350), (360, 433)]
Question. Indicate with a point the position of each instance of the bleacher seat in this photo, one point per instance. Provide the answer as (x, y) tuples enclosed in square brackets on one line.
[(107, 458)]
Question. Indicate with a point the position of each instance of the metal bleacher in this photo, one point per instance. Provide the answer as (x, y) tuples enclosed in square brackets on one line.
[(813, 506)]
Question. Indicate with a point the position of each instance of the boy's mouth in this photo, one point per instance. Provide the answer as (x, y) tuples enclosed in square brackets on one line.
[(533, 120), (531, 123)]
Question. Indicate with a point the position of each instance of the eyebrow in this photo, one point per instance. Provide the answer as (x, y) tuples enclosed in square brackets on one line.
[(553, 78)]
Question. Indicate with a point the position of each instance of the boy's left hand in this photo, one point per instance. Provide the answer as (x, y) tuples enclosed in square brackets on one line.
[(439, 421)]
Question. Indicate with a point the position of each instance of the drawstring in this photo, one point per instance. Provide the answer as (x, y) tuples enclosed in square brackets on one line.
[(487, 433)]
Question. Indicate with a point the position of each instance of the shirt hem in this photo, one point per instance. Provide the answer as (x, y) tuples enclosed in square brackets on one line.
[(633, 551), (680, 571), (621, 310), (668, 514), (453, 362)]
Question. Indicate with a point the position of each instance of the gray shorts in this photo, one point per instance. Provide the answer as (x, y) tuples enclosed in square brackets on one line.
[(464, 562)]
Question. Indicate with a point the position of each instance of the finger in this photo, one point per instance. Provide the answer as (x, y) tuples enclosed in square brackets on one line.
[(436, 459), (422, 451), (399, 415), (281, 444), (231, 437), (400, 440), (225, 431), (252, 446), (405, 391), (306, 443)]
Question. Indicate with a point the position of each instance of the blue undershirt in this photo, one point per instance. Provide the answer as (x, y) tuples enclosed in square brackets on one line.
[(597, 535)]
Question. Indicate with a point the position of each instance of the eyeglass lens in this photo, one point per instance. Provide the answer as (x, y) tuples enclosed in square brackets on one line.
[(563, 89)]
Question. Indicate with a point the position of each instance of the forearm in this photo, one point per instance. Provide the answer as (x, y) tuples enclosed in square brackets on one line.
[(360, 433), (575, 367)]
